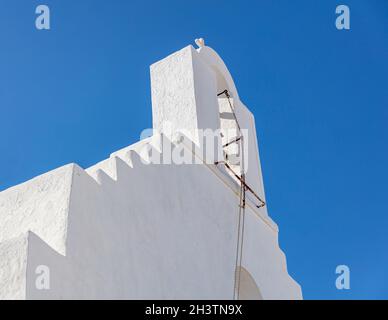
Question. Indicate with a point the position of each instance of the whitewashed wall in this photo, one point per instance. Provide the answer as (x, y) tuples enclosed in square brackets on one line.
[(129, 230)]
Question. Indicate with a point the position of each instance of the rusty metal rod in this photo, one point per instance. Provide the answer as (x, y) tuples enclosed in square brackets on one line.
[(230, 142), (262, 204)]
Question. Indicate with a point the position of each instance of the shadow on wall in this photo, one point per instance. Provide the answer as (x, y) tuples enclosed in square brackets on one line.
[(222, 84), (248, 287)]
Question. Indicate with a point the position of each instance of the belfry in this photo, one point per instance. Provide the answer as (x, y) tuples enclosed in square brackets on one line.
[(129, 228)]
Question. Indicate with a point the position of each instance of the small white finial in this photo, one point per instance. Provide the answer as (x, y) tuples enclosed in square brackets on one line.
[(200, 42)]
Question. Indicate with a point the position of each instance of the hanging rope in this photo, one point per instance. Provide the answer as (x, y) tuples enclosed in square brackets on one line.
[(239, 140), (237, 273)]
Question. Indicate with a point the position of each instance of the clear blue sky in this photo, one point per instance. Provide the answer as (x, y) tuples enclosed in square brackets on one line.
[(319, 95)]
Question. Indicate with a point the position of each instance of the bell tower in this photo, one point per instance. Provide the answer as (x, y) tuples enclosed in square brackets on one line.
[(192, 90)]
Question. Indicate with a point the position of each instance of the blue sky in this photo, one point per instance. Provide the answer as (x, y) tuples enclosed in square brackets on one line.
[(319, 95)]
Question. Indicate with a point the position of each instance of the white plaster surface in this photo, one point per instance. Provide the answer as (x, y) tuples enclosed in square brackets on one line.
[(13, 267), (40, 205), (128, 229)]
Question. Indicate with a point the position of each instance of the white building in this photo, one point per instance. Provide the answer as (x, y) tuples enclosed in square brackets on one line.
[(131, 228)]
